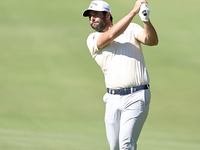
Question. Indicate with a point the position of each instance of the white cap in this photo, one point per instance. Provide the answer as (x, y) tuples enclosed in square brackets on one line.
[(97, 6)]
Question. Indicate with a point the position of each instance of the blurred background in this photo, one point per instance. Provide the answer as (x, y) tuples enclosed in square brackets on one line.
[(51, 89)]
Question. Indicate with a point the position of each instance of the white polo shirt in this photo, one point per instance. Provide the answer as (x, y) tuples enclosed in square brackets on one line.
[(121, 61)]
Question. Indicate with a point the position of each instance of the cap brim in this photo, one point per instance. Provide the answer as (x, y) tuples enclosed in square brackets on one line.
[(86, 12)]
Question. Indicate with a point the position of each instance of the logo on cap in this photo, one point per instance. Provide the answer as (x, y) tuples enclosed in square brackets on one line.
[(92, 4)]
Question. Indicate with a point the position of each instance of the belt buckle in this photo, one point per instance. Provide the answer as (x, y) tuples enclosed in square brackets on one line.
[(113, 91), (133, 89)]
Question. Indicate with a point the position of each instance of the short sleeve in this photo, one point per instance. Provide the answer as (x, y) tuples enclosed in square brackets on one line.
[(137, 29), (92, 43)]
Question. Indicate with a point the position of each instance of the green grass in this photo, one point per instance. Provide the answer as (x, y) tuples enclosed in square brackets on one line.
[(51, 89)]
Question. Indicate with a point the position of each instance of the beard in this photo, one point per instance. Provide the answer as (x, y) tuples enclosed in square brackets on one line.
[(100, 25)]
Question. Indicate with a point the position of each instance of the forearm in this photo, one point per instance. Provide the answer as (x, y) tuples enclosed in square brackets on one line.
[(150, 35), (121, 25), (115, 30)]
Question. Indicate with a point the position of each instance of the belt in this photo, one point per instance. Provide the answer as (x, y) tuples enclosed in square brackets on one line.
[(126, 91)]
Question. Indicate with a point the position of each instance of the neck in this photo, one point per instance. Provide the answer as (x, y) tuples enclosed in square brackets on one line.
[(108, 26)]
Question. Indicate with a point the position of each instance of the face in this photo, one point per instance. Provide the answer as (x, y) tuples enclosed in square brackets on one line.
[(97, 20)]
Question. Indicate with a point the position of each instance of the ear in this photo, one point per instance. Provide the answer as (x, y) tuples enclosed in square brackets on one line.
[(108, 15)]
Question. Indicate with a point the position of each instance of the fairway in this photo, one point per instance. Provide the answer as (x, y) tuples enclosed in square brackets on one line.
[(51, 89)]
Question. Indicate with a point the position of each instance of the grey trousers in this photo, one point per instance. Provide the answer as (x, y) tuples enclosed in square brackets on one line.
[(124, 118)]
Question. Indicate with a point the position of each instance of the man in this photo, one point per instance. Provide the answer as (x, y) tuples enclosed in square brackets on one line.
[(117, 50)]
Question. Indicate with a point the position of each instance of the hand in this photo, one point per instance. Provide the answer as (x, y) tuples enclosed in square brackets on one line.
[(144, 12), (137, 5)]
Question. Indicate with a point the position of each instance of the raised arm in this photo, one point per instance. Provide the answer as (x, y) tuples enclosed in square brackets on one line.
[(149, 35), (113, 31)]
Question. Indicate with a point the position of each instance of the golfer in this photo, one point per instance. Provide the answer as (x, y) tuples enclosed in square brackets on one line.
[(117, 50)]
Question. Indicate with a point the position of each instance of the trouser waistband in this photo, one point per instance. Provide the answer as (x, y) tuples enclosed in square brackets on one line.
[(126, 91)]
